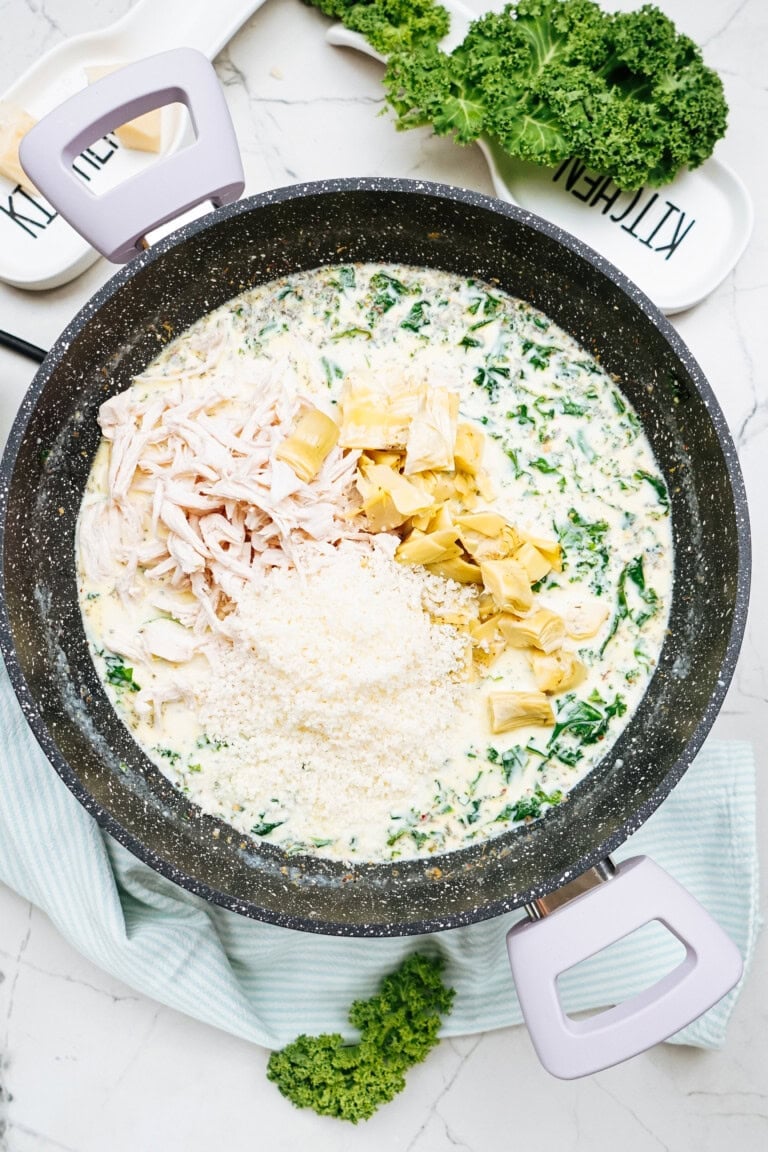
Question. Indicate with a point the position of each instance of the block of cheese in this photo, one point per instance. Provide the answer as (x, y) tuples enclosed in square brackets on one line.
[(144, 134), (14, 125)]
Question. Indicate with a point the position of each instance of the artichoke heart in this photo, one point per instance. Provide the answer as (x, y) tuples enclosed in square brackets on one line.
[(486, 535), (484, 631), (468, 449), (483, 485), (309, 443), (380, 456), (441, 519), (535, 563), (557, 671), (484, 523), (375, 417), (543, 629), (550, 550), (407, 498), (508, 583), (447, 537), (432, 433), (422, 521), (460, 619), (584, 620), (490, 547), (463, 487), (517, 709), (379, 510), (486, 606), (487, 643), (456, 569), (427, 547)]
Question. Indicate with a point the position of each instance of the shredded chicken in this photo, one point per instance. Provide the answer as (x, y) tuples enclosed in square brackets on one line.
[(197, 499)]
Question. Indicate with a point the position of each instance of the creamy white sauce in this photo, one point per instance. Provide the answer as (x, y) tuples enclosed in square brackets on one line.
[(567, 458)]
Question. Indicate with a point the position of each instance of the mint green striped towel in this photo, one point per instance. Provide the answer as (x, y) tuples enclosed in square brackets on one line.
[(267, 984)]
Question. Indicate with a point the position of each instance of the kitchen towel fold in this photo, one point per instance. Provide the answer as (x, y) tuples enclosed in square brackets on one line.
[(267, 984)]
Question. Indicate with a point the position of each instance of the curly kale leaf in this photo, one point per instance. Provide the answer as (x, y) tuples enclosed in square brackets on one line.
[(651, 108), (398, 1027), (390, 25), (552, 79), (334, 1078), (431, 88), (489, 84)]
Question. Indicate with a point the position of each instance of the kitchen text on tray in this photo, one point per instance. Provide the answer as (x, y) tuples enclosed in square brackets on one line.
[(30, 213), (656, 222)]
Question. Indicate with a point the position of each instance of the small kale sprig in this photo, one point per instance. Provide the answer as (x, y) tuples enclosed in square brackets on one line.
[(390, 26), (398, 1027)]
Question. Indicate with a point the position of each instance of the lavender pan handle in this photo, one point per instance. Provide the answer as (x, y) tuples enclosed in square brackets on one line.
[(639, 892), (116, 222)]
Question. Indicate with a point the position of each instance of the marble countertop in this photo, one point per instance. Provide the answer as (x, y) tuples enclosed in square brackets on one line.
[(88, 1064)]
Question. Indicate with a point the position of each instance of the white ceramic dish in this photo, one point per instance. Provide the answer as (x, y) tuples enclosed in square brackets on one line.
[(677, 242), (38, 249)]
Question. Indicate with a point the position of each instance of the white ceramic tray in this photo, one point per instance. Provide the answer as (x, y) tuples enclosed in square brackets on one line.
[(677, 242), (37, 248)]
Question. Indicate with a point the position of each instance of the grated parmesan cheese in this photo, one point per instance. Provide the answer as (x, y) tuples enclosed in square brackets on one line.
[(342, 691)]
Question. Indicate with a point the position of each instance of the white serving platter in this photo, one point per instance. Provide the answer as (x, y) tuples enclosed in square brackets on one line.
[(677, 243), (38, 249)]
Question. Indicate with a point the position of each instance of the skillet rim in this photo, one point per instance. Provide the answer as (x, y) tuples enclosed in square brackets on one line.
[(382, 185)]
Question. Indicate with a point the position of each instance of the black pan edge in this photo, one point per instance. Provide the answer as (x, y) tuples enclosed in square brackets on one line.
[(162, 865)]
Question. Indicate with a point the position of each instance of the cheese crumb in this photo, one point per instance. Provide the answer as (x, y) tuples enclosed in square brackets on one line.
[(14, 125), (143, 133)]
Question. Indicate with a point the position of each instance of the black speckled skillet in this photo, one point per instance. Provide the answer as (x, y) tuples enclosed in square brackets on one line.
[(166, 289)]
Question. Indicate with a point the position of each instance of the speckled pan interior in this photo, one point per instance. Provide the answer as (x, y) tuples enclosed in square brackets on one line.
[(122, 328)]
